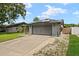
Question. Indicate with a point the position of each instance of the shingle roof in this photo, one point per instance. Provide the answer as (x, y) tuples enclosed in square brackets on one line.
[(16, 24), (48, 21)]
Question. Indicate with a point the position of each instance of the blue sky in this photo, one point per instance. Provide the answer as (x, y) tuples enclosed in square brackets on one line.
[(58, 11)]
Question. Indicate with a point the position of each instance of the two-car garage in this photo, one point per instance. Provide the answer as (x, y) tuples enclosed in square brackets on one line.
[(45, 28)]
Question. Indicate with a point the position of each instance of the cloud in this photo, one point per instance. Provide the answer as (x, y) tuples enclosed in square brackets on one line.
[(76, 12), (65, 4), (52, 11), (28, 5), (48, 6), (43, 16), (28, 13)]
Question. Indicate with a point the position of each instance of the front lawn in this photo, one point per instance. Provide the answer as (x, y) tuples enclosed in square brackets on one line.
[(73, 49), (8, 36)]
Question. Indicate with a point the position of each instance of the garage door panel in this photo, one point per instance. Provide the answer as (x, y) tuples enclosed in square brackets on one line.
[(44, 30)]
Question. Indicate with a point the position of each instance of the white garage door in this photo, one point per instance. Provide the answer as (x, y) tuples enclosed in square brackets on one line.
[(44, 30)]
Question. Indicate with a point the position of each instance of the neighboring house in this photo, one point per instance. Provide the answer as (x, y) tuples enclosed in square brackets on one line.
[(46, 27), (75, 30), (2, 28), (14, 27)]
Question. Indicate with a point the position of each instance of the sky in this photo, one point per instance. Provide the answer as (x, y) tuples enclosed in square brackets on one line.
[(67, 11)]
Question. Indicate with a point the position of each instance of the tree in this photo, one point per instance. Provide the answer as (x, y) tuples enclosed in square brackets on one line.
[(78, 24), (36, 19), (23, 28), (9, 12)]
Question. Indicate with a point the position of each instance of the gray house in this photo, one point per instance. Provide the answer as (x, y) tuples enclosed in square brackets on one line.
[(44, 27), (14, 27), (47, 27), (2, 28)]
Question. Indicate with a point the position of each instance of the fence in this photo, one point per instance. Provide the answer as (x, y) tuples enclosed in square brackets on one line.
[(66, 31), (75, 30)]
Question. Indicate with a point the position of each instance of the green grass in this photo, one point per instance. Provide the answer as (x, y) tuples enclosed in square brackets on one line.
[(8, 36), (73, 48)]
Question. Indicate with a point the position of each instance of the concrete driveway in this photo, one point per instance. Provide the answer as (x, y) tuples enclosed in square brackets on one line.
[(24, 45)]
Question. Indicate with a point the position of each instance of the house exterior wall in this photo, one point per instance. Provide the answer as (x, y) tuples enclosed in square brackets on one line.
[(55, 29), (75, 30), (30, 29), (0, 29), (12, 29)]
